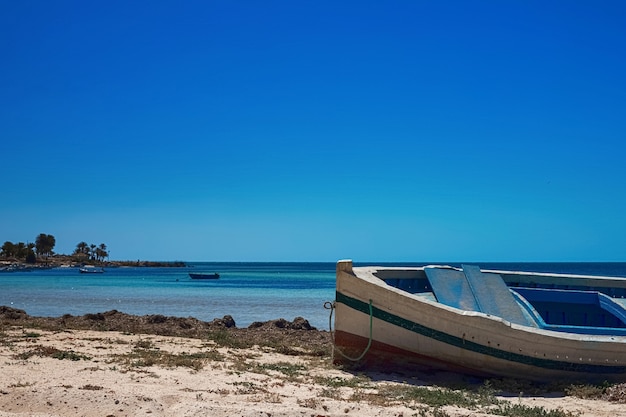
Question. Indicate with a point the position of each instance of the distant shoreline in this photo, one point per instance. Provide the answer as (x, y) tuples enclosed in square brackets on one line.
[(10, 265)]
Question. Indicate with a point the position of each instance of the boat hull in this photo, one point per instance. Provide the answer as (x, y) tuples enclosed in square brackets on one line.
[(204, 276), (91, 271), (406, 328)]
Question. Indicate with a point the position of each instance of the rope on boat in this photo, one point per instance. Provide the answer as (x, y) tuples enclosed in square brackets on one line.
[(330, 305)]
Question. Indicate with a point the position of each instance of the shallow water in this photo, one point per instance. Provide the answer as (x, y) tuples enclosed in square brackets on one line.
[(248, 292)]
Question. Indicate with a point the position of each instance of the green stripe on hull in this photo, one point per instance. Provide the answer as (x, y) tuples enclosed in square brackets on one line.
[(475, 347)]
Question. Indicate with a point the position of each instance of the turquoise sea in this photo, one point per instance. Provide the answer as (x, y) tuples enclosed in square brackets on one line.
[(247, 291)]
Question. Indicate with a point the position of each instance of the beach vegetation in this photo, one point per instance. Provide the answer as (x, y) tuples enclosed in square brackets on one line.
[(21, 384), (360, 381), (332, 386), (90, 387), (224, 338), (101, 252), (29, 252), (68, 354), (435, 398), (429, 400), (90, 252), (11, 250), (247, 387), (144, 344), (286, 368), (508, 409), (44, 245), (82, 248), (272, 398), (51, 352), (332, 393), (425, 411), (587, 391), (311, 402), (5, 337), (287, 371), (247, 339), (31, 258), (144, 354), (606, 391), (43, 250), (18, 251)]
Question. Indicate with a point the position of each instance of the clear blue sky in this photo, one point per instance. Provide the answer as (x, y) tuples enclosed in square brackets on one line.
[(316, 130)]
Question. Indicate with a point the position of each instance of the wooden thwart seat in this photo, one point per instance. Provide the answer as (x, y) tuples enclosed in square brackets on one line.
[(473, 290)]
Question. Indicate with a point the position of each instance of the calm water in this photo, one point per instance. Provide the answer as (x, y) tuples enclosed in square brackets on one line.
[(247, 291)]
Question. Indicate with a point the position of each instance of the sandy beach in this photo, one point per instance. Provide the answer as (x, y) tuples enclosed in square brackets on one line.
[(53, 371)]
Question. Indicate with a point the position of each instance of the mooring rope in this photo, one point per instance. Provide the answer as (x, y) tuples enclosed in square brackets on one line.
[(331, 306)]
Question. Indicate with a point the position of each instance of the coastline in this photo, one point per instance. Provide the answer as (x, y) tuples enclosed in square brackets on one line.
[(14, 265), (114, 364)]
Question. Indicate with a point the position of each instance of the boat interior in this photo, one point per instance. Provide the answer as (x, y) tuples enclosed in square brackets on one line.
[(563, 303)]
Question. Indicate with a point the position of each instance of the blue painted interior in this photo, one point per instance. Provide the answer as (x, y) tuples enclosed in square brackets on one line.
[(410, 285), (609, 291), (584, 312), (559, 308)]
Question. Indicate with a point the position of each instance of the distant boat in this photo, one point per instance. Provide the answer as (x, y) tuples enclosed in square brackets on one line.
[(204, 276), (91, 270), (539, 326)]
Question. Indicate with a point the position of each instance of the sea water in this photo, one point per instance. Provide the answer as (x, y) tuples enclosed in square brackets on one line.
[(246, 291)]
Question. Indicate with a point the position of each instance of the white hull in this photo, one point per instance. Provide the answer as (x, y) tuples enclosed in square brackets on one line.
[(412, 328)]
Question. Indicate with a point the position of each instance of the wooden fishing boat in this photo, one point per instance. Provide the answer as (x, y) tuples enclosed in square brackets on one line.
[(204, 276), (537, 326)]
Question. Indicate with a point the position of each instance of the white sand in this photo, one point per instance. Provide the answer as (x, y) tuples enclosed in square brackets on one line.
[(232, 382)]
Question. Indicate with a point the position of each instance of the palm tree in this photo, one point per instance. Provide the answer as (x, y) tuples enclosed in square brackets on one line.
[(30, 256), (44, 244), (82, 251), (103, 251), (82, 248), (8, 249), (20, 250)]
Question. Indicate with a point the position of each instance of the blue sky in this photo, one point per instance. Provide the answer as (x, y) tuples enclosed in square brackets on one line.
[(316, 130)]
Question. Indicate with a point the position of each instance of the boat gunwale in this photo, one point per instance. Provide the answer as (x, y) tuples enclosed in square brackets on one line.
[(599, 278)]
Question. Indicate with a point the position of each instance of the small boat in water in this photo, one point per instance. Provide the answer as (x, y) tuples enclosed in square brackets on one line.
[(204, 276), (528, 325), (91, 270)]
